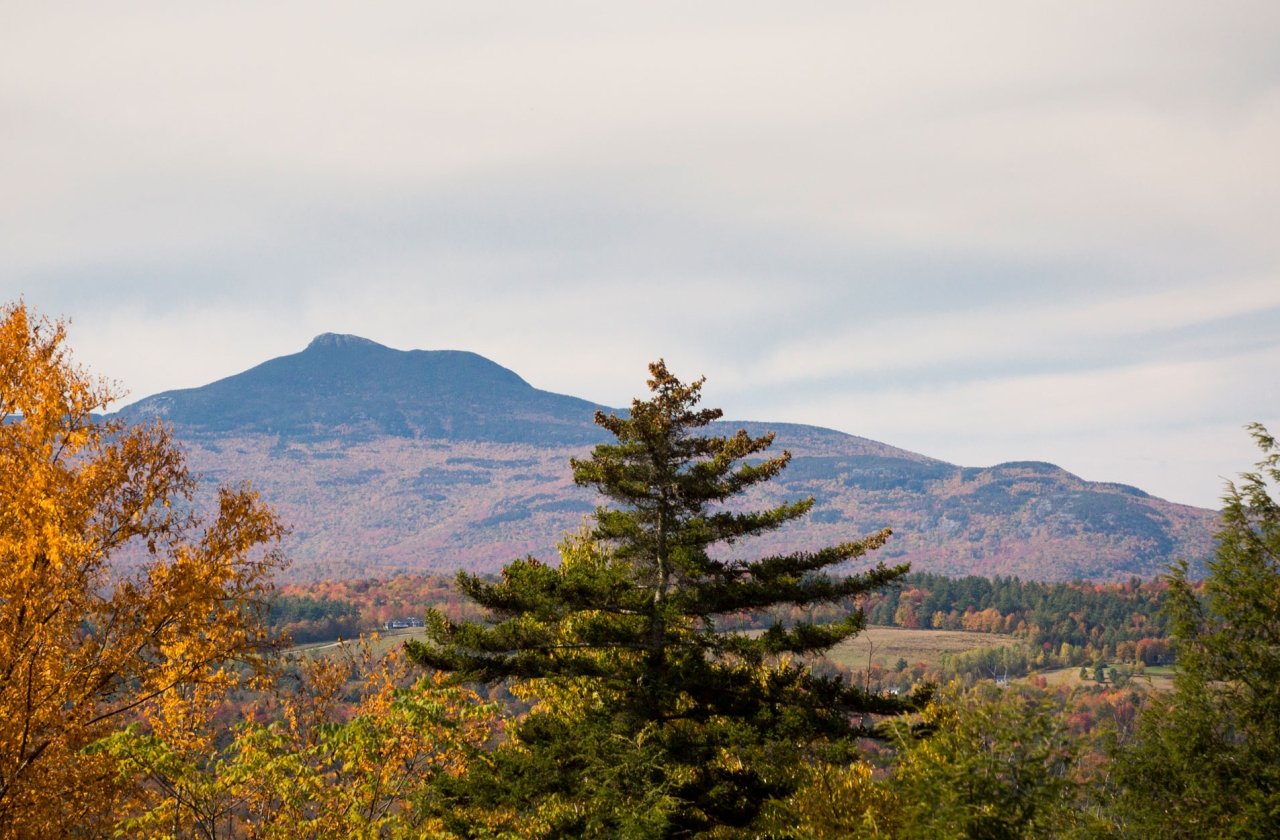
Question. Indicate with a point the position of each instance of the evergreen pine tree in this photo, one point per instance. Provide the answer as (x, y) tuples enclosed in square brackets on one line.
[(1205, 760), (650, 721)]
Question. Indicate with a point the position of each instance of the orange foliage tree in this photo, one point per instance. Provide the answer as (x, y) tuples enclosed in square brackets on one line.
[(85, 646)]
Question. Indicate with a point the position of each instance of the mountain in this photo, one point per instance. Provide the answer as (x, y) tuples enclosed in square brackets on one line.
[(385, 461), (346, 386)]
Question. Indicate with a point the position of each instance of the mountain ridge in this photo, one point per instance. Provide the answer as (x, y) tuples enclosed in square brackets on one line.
[(389, 460)]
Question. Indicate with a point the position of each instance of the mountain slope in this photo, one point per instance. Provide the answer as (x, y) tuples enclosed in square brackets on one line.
[(385, 460)]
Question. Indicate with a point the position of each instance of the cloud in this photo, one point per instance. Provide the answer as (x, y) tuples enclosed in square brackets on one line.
[(1076, 331), (1000, 129), (1178, 423)]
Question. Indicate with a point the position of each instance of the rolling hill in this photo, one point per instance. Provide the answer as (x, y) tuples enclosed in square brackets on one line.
[(385, 461)]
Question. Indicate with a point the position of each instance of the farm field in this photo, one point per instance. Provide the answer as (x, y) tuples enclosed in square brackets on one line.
[(1153, 679), (886, 645), (380, 644)]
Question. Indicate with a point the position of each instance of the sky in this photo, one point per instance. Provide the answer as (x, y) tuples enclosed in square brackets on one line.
[(985, 232)]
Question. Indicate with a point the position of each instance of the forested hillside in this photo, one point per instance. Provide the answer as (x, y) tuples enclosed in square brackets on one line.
[(387, 461)]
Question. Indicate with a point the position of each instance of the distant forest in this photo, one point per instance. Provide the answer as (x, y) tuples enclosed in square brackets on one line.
[(1064, 623)]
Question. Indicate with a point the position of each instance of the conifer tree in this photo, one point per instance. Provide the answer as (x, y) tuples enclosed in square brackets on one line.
[(1205, 760), (651, 721)]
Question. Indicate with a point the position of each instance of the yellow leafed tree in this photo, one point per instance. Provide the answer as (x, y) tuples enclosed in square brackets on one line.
[(332, 758), (84, 646)]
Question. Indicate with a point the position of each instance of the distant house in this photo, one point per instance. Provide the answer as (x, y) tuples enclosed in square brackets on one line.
[(402, 623)]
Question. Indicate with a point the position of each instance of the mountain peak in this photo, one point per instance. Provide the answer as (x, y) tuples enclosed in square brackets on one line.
[(348, 387), (328, 340)]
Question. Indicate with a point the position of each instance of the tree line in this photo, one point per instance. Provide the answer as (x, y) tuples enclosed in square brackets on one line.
[(1063, 624)]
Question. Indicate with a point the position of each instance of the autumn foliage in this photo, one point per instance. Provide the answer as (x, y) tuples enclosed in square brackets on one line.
[(83, 647), (346, 751)]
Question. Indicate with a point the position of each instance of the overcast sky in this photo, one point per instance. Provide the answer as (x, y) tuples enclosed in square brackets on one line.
[(981, 231)]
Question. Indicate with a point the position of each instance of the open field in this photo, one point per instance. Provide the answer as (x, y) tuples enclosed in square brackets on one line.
[(886, 645), (1154, 679), (385, 641)]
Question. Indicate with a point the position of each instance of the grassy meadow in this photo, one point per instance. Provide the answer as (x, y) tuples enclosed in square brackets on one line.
[(886, 645)]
